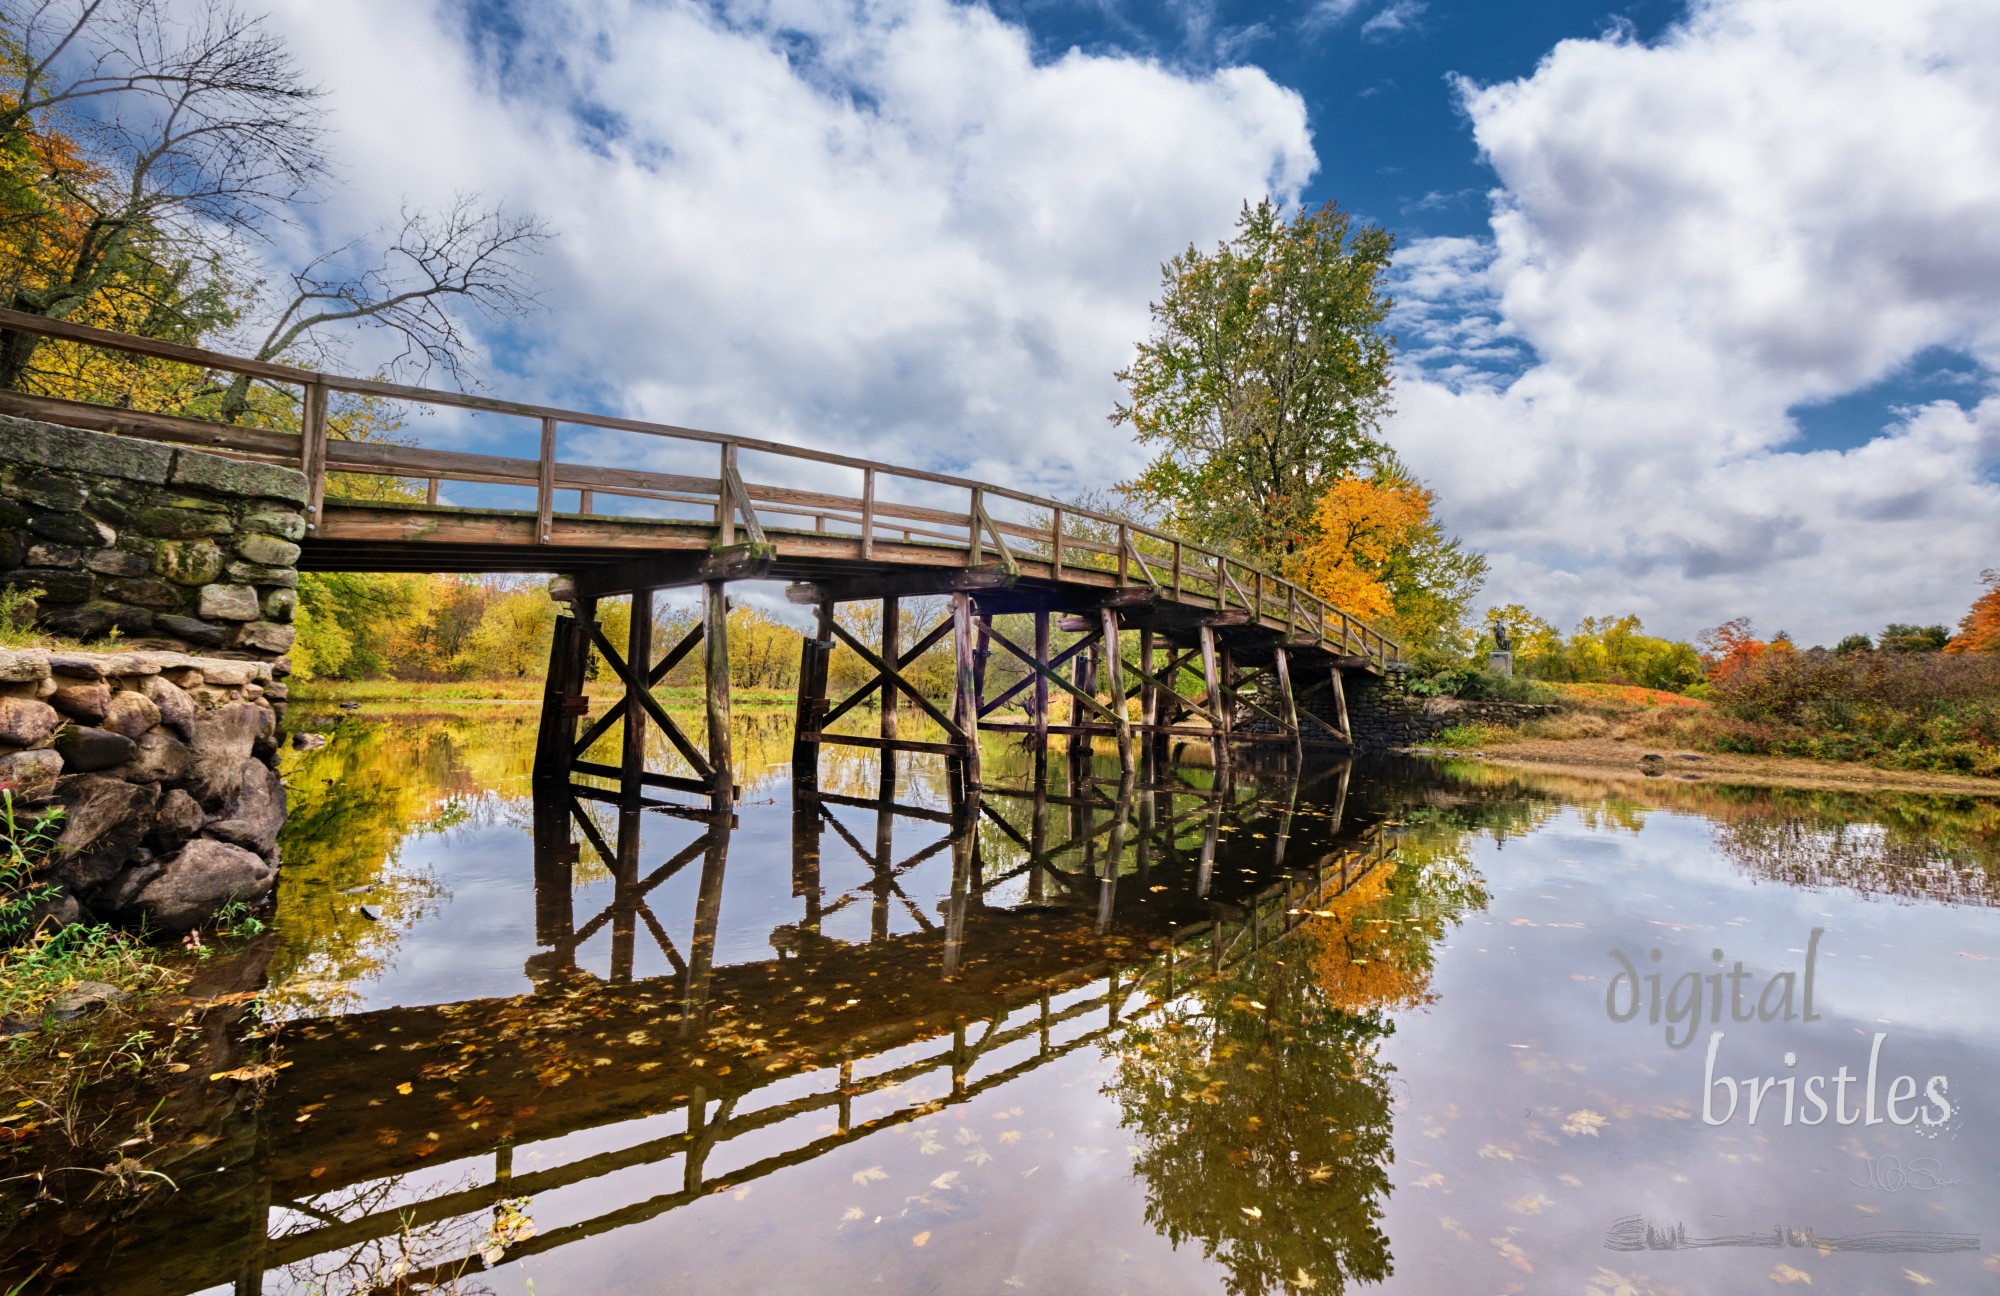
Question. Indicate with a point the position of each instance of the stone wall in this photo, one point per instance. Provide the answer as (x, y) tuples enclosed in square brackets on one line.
[(164, 766), (1386, 718), (175, 549)]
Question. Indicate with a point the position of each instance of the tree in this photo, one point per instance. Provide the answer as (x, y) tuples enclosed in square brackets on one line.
[(190, 131), (1377, 553), (1913, 638), (1853, 643), (1980, 630), (1265, 379)]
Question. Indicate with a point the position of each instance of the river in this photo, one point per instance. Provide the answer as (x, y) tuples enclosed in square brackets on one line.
[(1404, 1027)]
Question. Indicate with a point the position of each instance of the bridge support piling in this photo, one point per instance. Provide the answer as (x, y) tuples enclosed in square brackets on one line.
[(715, 641), (965, 693), (1114, 683), (639, 661), (1041, 681), (892, 652), (815, 654), (563, 701)]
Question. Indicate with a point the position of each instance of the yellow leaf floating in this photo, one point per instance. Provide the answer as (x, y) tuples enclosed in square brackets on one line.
[(1784, 1273), (1253, 1212), (920, 1239), (403, 1088), (873, 1174)]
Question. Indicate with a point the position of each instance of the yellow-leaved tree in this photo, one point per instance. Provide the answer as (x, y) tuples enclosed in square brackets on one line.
[(1378, 554)]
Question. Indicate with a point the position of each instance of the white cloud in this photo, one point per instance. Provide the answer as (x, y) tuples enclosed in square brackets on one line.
[(879, 227), (1778, 202)]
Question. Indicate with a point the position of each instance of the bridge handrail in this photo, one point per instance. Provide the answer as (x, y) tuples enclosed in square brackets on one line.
[(731, 493)]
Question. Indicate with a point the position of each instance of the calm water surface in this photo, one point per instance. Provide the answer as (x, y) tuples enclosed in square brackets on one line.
[(1415, 1029)]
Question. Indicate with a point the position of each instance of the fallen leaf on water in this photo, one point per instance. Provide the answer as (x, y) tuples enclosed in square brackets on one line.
[(1583, 1122), (872, 1174), (944, 1181), (1784, 1273), (1529, 1205), (1918, 1278), (403, 1088), (851, 1214), (1430, 1180), (1303, 1280), (1010, 1136), (920, 1239), (247, 1074), (1980, 958), (1494, 1152), (1253, 1212)]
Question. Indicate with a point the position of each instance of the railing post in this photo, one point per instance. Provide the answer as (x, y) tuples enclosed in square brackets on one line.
[(1124, 546), (431, 491), (312, 451), (867, 513), (1055, 543), (972, 524), (725, 497), (1177, 571), (545, 483)]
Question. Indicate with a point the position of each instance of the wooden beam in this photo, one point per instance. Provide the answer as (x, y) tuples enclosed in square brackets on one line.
[(639, 660), (892, 679), (898, 585), (715, 634), (676, 570), (1114, 681), (966, 691), (649, 702)]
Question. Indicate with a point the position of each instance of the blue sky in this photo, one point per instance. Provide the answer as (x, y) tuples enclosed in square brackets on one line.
[(1697, 303)]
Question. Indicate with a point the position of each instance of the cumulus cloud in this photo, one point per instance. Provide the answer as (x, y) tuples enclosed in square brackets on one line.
[(1777, 202), (883, 227)]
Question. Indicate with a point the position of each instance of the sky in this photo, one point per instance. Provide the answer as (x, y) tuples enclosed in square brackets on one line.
[(1696, 303)]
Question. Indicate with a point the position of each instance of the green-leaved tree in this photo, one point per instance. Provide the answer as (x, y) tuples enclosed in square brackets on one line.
[(1265, 379)]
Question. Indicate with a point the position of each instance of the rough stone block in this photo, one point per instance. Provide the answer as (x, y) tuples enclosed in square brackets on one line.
[(222, 741), (23, 665), (169, 523), (244, 573), (53, 555), (130, 713), (31, 774), (251, 819), (239, 477), (13, 548), (82, 665), (281, 605), (80, 700), (55, 586), (196, 883), (86, 749), (285, 526), (228, 603), (188, 562), (46, 492), (103, 821), (158, 757), (177, 710), (266, 636), (93, 453), (146, 591), (177, 821), (96, 619), (73, 529), (117, 562), (196, 632), (267, 551), (25, 722)]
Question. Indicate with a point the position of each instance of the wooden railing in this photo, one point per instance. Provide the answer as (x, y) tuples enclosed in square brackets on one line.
[(1067, 543)]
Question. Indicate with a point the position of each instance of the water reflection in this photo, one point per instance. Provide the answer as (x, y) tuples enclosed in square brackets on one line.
[(1250, 1029)]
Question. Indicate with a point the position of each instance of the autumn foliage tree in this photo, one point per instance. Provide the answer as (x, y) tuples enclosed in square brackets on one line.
[(1379, 554), (1979, 632)]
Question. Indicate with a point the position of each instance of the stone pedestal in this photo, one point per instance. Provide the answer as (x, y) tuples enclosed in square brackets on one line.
[(1500, 663)]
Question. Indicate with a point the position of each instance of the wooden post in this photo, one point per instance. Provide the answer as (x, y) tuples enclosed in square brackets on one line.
[(562, 693), (892, 652), (976, 547), (966, 691), (1340, 706), (639, 661), (715, 645), (312, 451), (1041, 681), (624, 895), (431, 491), (867, 513), (1226, 702), (1149, 694), (1288, 705), (1211, 679), (1114, 684), (815, 653), (545, 484), (725, 498)]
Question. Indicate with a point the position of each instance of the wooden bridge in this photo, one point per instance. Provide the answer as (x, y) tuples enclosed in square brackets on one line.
[(1212, 648)]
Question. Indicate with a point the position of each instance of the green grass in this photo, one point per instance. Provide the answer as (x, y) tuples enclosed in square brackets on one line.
[(1469, 735)]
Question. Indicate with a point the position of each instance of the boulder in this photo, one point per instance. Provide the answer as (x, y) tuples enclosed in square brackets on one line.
[(192, 630), (31, 774), (50, 585), (254, 815), (267, 550), (85, 748), (81, 665), (86, 452), (116, 562), (82, 700), (188, 562), (83, 997), (205, 876), (183, 523), (54, 911), (239, 477), (72, 529), (145, 591), (179, 818), (25, 722), (281, 605), (266, 636), (53, 555), (285, 526), (104, 820), (228, 603), (130, 713), (23, 665), (177, 710), (249, 573), (160, 758), (222, 742), (97, 618)]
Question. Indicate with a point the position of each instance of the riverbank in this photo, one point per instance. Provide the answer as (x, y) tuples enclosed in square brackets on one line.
[(1628, 761)]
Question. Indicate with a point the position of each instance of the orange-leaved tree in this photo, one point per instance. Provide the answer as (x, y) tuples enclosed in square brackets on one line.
[(1379, 554), (1980, 631)]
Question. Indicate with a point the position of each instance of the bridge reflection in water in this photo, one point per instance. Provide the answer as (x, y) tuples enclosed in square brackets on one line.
[(395, 1140)]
